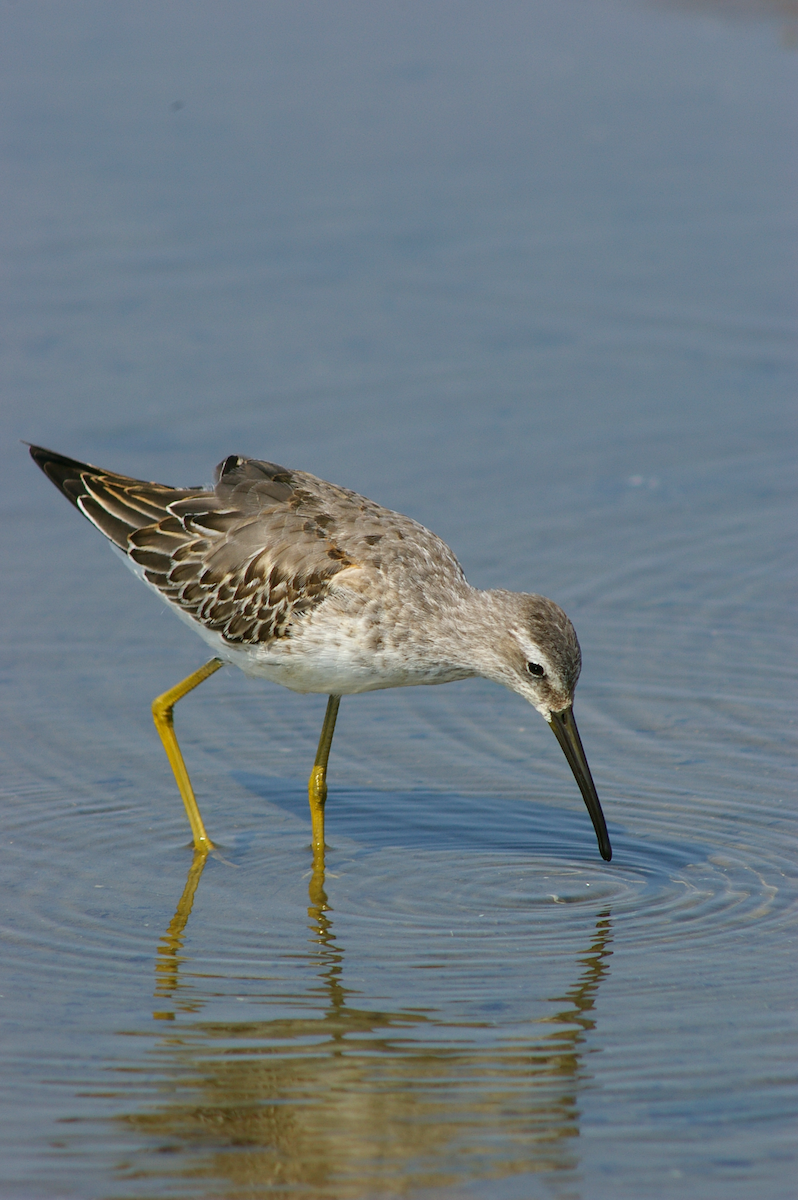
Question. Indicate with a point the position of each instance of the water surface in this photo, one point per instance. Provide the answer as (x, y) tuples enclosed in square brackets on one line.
[(528, 276)]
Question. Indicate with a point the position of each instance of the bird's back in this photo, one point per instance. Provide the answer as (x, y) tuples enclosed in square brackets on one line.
[(260, 549)]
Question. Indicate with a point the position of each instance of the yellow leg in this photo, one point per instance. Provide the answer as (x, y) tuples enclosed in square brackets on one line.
[(317, 784), (163, 715)]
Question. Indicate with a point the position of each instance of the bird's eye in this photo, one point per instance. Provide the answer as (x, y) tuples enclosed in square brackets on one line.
[(535, 669)]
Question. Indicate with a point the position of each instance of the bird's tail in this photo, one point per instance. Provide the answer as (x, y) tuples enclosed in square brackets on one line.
[(117, 504)]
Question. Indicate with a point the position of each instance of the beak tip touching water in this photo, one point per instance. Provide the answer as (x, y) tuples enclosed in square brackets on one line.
[(564, 728)]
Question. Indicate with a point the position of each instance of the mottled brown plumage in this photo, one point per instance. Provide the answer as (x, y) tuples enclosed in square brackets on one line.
[(259, 550)]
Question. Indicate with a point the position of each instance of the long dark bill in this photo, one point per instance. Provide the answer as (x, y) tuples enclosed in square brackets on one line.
[(567, 735)]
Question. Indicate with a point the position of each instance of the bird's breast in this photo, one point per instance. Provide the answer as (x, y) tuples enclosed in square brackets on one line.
[(348, 646)]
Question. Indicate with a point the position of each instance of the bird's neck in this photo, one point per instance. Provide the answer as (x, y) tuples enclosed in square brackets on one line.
[(475, 633)]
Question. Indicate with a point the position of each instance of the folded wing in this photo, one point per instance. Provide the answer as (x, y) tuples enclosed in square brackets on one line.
[(244, 558)]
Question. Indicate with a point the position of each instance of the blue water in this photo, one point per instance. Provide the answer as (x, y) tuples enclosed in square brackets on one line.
[(525, 272)]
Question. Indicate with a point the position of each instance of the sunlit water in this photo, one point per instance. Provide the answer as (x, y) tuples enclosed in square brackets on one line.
[(523, 272)]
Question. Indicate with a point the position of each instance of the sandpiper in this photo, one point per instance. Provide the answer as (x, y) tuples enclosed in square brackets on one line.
[(312, 586)]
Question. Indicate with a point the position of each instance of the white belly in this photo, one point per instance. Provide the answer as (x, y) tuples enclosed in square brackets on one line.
[(332, 658)]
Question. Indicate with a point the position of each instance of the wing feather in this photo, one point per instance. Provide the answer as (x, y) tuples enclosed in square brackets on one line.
[(258, 551), (243, 559)]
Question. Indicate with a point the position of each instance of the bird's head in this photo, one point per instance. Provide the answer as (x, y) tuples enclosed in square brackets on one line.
[(542, 655), (539, 658)]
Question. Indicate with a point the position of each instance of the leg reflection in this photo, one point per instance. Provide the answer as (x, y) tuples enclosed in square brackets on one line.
[(169, 956), (330, 955)]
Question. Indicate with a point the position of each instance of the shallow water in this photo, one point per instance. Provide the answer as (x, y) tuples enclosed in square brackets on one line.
[(525, 274)]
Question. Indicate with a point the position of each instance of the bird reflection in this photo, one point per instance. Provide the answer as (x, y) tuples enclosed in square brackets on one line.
[(353, 1102)]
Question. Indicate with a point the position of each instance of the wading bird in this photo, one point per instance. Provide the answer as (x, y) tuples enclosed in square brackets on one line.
[(312, 586)]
